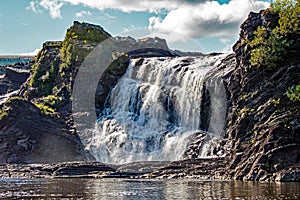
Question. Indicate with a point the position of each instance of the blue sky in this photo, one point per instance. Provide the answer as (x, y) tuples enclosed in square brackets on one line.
[(203, 25)]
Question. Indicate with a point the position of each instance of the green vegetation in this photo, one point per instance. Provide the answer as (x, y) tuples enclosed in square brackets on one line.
[(294, 93), (56, 64), (46, 110), (75, 46), (12, 99), (3, 114), (52, 100), (43, 77), (278, 47)]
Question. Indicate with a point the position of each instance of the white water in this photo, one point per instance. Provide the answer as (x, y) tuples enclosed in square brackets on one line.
[(155, 111)]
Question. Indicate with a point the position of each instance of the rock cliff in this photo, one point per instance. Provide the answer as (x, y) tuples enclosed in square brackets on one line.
[(264, 124), (29, 134)]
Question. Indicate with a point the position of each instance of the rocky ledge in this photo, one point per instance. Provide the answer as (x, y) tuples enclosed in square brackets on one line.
[(205, 169)]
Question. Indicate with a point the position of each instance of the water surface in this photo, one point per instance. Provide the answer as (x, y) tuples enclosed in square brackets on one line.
[(144, 189), (12, 60)]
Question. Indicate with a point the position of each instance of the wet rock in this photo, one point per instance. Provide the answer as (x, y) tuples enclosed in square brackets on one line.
[(192, 168), (291, 174)]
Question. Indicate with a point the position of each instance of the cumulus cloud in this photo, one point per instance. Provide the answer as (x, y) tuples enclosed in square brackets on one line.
[(193, 18), (207, 19), (123, 5), (83, 13), (53, 6), (33, 5), (130, 5)]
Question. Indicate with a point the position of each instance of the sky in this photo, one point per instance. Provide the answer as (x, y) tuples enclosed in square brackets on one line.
[(189, 25)]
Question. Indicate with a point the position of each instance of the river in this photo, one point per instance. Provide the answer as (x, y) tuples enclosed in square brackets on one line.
[(144, 189)]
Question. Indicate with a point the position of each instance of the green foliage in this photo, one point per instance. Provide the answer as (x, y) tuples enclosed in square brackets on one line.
[(46, 110), (44, 75), (52, 100), (278, 47), (3, 114), (288, 11), (293, 93)]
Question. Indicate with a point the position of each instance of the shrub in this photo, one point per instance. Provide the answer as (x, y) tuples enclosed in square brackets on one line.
[(293, 92), (52, 100), (278, 47)]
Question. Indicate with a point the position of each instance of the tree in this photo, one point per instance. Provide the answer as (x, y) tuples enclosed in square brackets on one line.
[(280, 46)]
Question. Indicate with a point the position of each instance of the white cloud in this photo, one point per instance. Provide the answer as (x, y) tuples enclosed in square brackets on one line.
[(193, 18), (207, 19), (33, 53), (129, 5), (154, 6), (53, 6), (33, 5), (83, 13), (108, 16)]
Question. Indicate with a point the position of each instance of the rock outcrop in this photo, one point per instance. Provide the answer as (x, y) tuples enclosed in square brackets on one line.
[(264, 125), (11, 81), (29, 135)]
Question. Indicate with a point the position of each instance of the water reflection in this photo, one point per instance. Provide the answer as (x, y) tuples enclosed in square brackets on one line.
[(144, 189)]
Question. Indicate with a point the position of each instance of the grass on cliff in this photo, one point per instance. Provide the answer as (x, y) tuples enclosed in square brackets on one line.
[(278, 47)]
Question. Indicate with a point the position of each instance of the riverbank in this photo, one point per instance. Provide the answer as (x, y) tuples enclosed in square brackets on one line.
[(202, 169)]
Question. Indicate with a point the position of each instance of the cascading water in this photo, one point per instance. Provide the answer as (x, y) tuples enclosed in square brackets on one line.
[(155, 111)]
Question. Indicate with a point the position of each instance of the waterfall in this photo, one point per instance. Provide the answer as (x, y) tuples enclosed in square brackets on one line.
[(155, 110)]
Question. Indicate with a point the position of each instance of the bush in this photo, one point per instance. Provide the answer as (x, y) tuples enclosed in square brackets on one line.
[(278, 47), (44, 72), (293, 93)]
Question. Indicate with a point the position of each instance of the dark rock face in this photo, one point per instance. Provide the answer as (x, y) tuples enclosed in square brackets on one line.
[(192, 168), (150, 52), (148, 42), (264, 125), (12, 79), (108, 81), (28, 136)]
